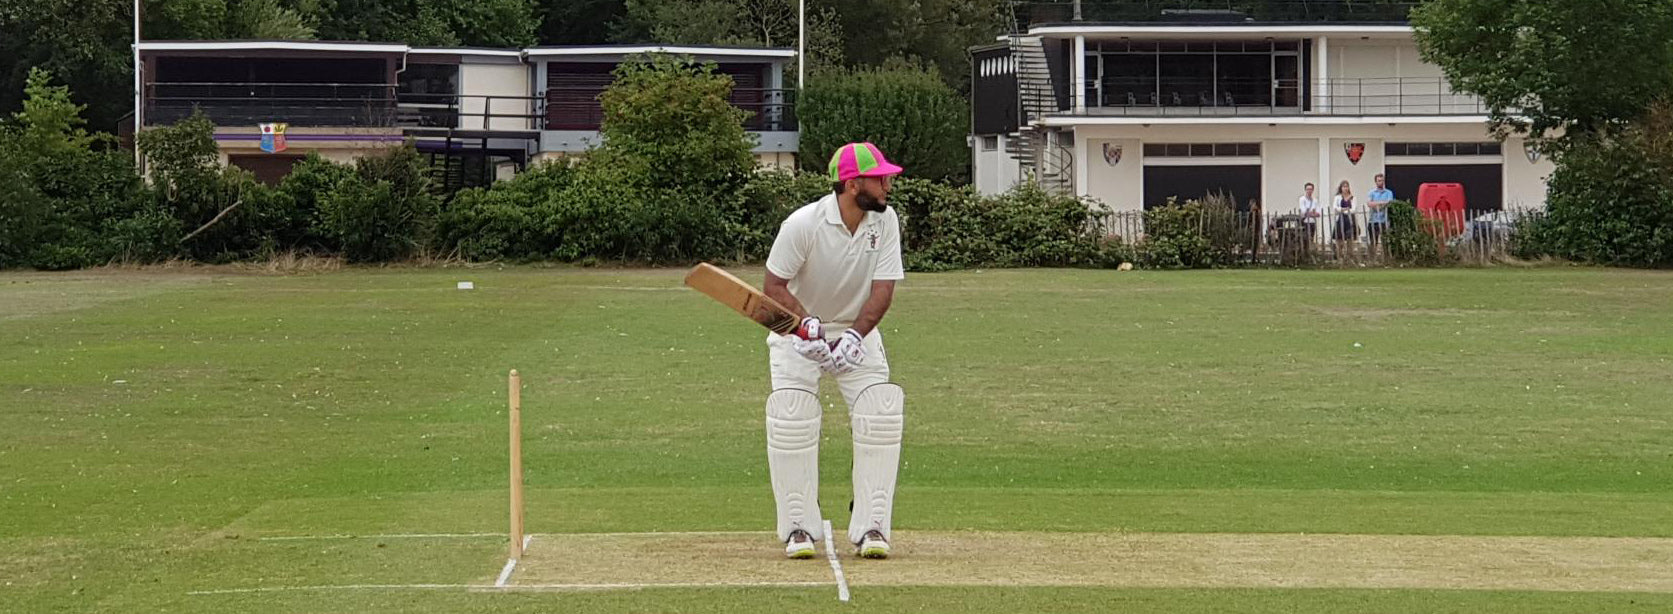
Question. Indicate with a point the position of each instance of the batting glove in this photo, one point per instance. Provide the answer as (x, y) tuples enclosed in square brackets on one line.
[(848, 353), (809, 341)]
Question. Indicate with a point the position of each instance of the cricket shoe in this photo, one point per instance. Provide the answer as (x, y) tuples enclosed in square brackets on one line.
[(799, 546), (874, 545)]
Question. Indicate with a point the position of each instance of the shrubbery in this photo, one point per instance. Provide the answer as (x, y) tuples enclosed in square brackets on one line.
[(947, 227), (1610, 200), (908, 112), (1411, 238)]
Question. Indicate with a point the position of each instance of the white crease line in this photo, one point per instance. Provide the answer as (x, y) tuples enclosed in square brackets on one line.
[(505, 573), (511, 564), (381, 536), (484, 535), (520, 587), (836, 566), (635, 586)]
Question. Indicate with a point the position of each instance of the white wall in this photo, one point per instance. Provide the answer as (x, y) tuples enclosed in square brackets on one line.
[(1287, 165), (479, 80), (1290, 158), (1525, 180), (1388, 76), (993, 172), (1119, 185)]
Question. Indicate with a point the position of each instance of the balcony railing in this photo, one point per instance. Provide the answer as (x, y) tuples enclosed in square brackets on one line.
[(380, 105), (1216, 11), (1208, 97), (578, 108), (298, 104), (470, 112)]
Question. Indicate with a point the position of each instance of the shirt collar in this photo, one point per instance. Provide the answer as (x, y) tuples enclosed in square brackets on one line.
[(833, 212)]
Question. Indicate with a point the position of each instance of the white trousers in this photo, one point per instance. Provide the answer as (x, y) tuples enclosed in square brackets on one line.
[(793, 436)]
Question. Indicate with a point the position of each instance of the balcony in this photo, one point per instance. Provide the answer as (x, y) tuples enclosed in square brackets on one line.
[(1146, 97), (1221, 12), (577, 108)]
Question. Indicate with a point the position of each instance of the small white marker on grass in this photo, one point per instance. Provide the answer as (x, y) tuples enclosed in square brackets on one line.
[(465, 285)]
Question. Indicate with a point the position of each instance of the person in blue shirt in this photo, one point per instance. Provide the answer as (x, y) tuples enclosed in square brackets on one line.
[(1378, 201)]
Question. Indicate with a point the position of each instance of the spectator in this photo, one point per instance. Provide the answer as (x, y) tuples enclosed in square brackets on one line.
[(1310, 214), (1378, 201), (1346, 230)]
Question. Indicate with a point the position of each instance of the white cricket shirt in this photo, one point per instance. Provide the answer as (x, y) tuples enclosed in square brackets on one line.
[(830, 270)]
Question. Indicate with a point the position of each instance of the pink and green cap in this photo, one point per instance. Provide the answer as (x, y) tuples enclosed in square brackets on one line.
[(860, 160)]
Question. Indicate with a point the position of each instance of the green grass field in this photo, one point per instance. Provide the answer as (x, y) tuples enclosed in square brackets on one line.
[(159, 428)]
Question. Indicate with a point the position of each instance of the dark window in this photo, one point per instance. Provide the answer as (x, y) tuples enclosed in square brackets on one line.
[(1201, 150), (1491, 149), (439, 79)]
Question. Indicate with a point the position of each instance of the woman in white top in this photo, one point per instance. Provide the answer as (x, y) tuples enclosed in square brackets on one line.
[(1310, 213), (1343, 204)]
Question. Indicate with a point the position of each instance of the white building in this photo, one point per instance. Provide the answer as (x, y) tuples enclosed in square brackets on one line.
[(478, 114), (1179, 103)]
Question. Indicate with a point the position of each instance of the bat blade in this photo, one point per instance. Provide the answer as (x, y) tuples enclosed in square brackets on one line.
[(743, 298)]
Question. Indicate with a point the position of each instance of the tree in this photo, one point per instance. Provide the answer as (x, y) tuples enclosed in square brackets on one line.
[(907, 111), (754, 23), (477, 23), (85, 43), (577, 22), (1543, 67)]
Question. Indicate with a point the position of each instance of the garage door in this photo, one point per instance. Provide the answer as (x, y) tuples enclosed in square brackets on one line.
[(1483, 183), (1242, 182)]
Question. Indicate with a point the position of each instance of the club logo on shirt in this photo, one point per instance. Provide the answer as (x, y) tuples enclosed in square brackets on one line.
[(871, 240)]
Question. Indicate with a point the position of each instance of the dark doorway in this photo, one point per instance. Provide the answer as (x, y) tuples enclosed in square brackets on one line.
[(1483, 183)]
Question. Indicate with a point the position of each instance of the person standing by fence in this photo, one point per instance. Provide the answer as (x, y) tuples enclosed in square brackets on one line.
[(1310, 214), (1378, 201), (1346, 229)]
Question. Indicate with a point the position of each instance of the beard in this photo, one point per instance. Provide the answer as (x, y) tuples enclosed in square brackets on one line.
[(869, 203)]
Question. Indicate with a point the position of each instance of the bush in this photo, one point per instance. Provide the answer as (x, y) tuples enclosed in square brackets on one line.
[(69, 200), (1191, 235), (908, 112), (226, 213), (508, 220), (770, 197), (384, 211), (947, 227), (296, 222), (1609, 202), (1411, 239)]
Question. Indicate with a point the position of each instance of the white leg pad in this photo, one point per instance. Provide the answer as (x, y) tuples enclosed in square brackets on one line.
[(877, 418), (793, 418)]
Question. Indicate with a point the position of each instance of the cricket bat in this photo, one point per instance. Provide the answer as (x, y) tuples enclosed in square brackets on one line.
[(742, 298)]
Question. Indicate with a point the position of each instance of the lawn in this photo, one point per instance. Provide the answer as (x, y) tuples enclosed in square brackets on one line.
[(208, 440)]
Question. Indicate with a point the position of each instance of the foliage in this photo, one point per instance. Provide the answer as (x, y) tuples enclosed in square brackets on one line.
[(69, 200), (230, 212), (1194, 234), (750, 23), (384, 211), (295, 220), (1610, 202), (1411, 239), (668, 125), (1552, 66), (508, 220), (906, 111), (946, 227)]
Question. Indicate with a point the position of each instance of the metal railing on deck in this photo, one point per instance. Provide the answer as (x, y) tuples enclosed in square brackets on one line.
[(1349, 96), (1214, 11), (578, 108)]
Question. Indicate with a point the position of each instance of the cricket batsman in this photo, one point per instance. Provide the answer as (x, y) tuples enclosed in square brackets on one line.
[(837, 260)]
